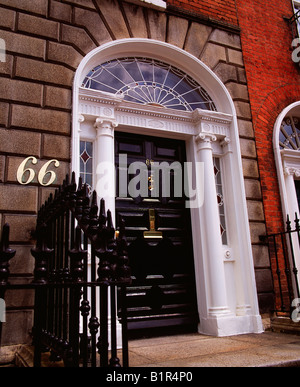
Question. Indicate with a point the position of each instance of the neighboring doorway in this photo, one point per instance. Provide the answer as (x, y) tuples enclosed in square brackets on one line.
[(158, 229)]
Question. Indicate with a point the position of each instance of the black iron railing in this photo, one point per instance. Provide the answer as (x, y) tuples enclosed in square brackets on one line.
[(79, 265), (284, 250)]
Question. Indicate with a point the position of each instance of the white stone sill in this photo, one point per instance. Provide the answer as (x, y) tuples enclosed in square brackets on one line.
[(157, 4)]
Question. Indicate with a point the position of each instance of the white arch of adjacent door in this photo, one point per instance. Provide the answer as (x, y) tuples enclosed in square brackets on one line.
[(226, 288), (287, 163), (288, 170)]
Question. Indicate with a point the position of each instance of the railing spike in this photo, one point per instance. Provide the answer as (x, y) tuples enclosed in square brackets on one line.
[(102, 215), (79, 183), (94, 200), (296, 221), (109, 220), (6, 254), (73, 181)]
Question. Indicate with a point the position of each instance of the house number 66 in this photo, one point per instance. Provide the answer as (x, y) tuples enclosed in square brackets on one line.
[(26, 175)]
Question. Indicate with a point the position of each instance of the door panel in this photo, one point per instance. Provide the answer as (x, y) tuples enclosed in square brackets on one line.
[(163, 283)]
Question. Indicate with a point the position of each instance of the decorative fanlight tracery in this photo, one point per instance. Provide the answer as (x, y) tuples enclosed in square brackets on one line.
[(289, 137), (149, 82)]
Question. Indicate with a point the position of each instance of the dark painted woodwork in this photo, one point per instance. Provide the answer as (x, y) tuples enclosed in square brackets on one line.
[(163, 280)]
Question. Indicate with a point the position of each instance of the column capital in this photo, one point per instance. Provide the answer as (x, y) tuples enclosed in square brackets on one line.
[(292, 171), (105, 126), (205, 137), (204, 141), (81, 118), (225, 142)]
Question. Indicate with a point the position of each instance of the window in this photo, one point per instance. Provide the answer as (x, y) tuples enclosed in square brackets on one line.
[(289, 137), (220, 199), (296, 18), (149, 82), (86, 164)]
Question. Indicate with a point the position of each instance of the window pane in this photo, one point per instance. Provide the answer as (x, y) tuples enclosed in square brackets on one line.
[(86, 163), (220, 199), (289, 136), (148, 81)]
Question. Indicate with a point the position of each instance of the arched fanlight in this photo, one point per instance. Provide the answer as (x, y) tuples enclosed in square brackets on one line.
[(289, 136), (149, 82)]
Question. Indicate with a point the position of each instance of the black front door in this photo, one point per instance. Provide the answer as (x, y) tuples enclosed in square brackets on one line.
[(158, 230)]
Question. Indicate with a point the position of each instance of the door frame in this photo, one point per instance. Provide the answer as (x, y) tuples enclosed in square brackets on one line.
[(225, 281)]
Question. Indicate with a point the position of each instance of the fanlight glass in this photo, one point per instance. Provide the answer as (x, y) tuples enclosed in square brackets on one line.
[(149, 82), (289, 137)]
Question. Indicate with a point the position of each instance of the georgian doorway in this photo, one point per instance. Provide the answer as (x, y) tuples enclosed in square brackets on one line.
[(144, 86)]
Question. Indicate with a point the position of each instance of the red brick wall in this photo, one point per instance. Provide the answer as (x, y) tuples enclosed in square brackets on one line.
[(222, 10), (273, 84)]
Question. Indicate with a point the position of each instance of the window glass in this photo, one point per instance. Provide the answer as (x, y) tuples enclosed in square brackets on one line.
[(289, 137), (149, 82), (86, 164), (296, 5), (220, 199)]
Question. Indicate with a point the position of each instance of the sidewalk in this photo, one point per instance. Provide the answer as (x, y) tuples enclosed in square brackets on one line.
[(268, 349)]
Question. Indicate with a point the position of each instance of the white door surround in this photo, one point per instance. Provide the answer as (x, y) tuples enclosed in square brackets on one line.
[(226, 288), (288, 170)]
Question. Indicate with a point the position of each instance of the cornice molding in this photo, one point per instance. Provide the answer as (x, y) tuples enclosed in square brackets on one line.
[(94, 104)]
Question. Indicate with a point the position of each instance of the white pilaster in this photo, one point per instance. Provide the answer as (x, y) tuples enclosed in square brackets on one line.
[(290, 173), (236, 253)]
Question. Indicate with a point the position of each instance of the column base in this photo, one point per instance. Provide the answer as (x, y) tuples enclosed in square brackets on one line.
[(230, 325), (118, 334)]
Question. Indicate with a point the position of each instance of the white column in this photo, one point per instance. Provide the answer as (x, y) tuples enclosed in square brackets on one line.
[(217, 298), (105, 162), (105, 181)]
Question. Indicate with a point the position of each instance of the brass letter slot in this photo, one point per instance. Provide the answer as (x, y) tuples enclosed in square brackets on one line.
[(152, 233)]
